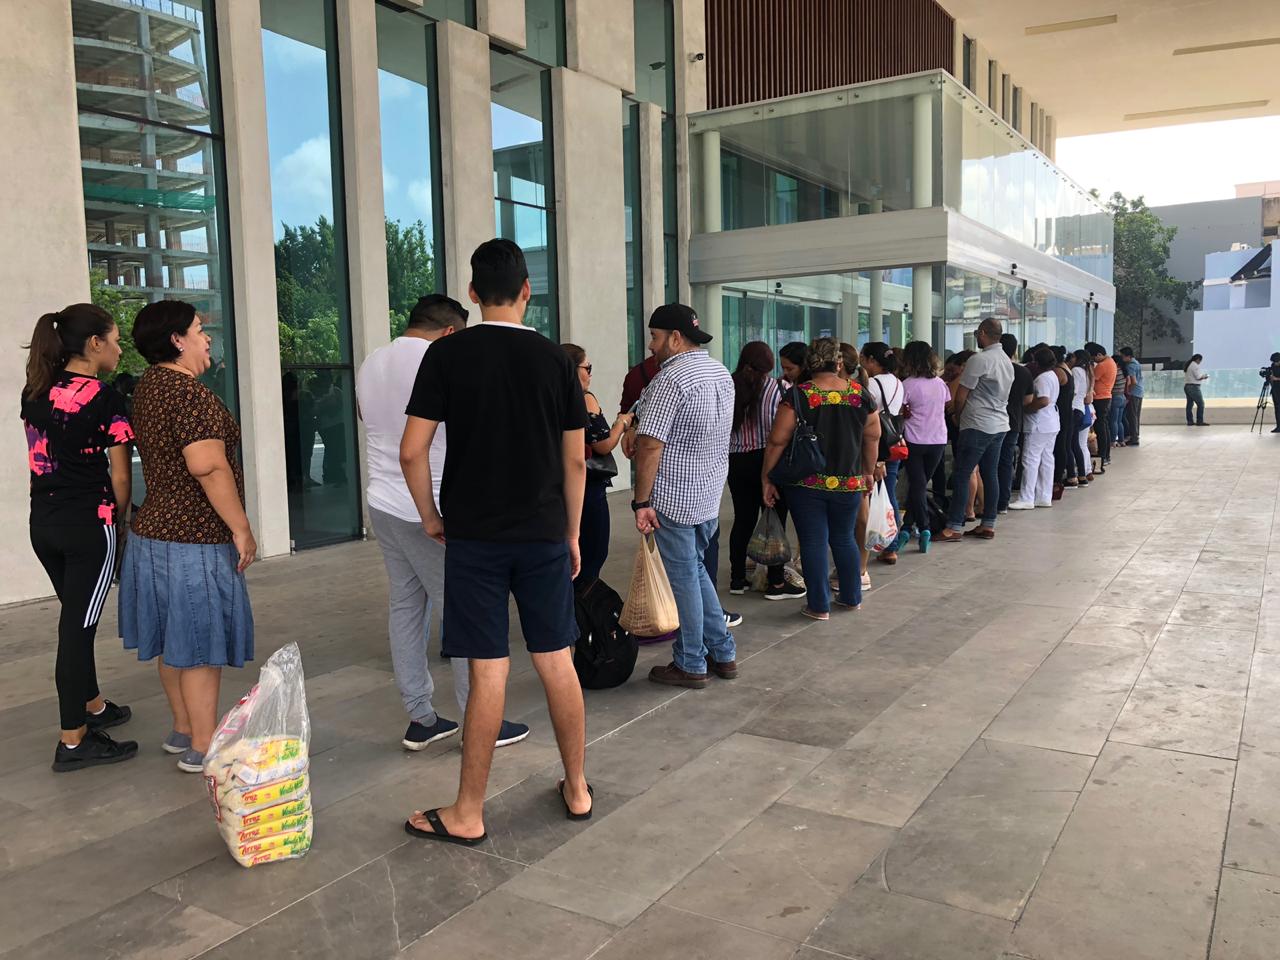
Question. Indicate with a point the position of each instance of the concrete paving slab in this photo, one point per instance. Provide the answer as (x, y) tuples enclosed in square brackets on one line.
[(1247, 926)]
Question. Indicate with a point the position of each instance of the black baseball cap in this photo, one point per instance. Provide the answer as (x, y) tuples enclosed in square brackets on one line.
[(676, 316)]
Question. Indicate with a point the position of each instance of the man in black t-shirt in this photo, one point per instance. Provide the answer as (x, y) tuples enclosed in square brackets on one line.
[(511, 499), (1274, 379)]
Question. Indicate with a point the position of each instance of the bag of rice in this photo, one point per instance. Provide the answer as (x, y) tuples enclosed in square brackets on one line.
[(256, 767)]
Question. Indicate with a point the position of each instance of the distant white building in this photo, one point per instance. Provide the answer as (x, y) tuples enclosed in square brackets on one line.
[(1238, 325)]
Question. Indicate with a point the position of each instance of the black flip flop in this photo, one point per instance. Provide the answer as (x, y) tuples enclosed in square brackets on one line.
[(569, 814), (440, 832)]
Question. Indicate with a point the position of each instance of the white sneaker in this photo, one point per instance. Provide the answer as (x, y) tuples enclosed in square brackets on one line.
[(1021, 505), (866, 581), (1047, 503)]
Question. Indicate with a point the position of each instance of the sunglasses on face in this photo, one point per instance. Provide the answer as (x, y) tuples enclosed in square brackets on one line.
[(586, 367)]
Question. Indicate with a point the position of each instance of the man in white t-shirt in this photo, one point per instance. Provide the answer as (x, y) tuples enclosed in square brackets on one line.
[(414, 561)]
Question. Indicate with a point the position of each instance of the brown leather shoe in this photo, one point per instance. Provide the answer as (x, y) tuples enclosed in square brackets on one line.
[(673, 676), (986, 533), (725, 671), (948, 536)]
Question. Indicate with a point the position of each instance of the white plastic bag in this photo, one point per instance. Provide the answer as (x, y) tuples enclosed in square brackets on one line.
[(882, 525), (258, 761)]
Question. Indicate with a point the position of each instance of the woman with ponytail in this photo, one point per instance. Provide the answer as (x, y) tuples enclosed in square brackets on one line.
[(77, 444)]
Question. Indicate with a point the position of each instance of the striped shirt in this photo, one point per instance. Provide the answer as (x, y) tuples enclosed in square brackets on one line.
[(689, 407), (753, 432)]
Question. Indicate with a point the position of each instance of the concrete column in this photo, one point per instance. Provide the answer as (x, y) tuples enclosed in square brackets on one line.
[(503, 20), (590, 224), (922, 301), (848, 326), (875, 322), (600, 40), (712, 313), (252, 250), (648, 228), (897, 322), (43, 266), (362, 162), (922, 150), (1051, 138), (691, 97), (466, 149)]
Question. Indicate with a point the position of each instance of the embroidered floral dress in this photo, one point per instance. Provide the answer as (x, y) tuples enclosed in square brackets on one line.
[(838, 417)]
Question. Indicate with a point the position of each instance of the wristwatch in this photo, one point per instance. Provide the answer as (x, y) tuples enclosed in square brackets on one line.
[(641, 505)]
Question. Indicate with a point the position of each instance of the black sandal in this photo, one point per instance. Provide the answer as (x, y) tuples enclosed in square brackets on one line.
[(569, 814), (440, 832)]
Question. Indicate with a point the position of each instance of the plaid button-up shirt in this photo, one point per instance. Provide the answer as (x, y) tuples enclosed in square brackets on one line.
[(689, 407)]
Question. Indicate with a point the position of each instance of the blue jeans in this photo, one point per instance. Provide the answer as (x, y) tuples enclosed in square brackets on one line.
[(1008, 457), (1118, 403), (823, 518), (891, 470), (982, 450), (702, 627)]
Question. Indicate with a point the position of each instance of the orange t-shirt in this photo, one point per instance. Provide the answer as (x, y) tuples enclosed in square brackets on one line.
[(1104, 378)]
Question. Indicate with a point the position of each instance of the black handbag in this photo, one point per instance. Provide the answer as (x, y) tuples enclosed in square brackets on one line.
[(602, 466), (890, 426), (804, 457)]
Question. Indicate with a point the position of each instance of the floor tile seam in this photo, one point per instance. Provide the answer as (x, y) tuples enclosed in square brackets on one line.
[(1231, 803), (1181, 753), (1256, 873), (1036, 746), (940, 903), (790, 941)]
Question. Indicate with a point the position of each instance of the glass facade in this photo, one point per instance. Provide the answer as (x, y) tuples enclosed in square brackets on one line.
[(152, 165), (971, 297), (782, 309), (670, 216), (462, 11), (544, 35), (655, 53), (299, 50), (523, 179), (631, 221), (410, 159)]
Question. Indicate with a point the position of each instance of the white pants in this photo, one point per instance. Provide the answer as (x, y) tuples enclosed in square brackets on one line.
[(1037, 468), (1084, 448)]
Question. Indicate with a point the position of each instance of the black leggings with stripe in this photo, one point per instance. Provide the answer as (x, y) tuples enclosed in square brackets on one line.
[(80, 561)]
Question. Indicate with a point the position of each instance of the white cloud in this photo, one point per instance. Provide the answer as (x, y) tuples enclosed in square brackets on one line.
[(393, 87), (420, 195), (389, 181), (293, 55), (305, 175)]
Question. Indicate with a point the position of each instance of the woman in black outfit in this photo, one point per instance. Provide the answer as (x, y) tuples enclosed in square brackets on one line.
[(593, 537), (77, 444), (755, 404), (1063, 460)]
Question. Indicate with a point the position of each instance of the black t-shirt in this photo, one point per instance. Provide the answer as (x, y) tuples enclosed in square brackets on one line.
[(1275, 376), (1023, 386), (508, 395), (69, 428)]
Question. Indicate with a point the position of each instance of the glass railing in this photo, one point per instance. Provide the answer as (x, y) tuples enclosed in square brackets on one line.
[(1221, 385), (918, 141)]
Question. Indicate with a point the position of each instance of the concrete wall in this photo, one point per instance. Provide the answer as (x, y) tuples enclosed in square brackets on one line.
[(252, 251), (600, 40), (503, 20), (590, 223), (43, 266), (1208, 227), (466, 149)]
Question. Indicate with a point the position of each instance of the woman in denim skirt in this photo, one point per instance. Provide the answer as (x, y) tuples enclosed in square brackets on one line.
[(182, 589)]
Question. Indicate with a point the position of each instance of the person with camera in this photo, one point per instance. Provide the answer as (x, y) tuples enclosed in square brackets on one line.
[(1193, 376), (1272, 373)]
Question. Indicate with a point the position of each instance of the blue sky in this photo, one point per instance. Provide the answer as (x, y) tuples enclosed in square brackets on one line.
[(298, 134)]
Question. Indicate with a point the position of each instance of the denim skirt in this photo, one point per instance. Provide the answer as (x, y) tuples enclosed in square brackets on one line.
[(185, 602)]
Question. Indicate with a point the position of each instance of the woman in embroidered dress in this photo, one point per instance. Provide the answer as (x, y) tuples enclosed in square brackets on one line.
[(824, 507)]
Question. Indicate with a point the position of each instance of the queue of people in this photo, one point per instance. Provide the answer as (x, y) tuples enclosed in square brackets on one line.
[(811, 444)]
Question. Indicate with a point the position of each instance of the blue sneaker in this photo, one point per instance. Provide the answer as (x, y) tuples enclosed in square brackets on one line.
[(926, 538), (191, 762), (176, 742), (419, 736), (511, 733)]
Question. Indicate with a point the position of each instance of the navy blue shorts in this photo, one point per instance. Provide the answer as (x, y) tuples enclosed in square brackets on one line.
[(479, 576)]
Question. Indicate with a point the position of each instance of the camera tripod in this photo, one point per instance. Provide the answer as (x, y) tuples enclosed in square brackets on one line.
[(1260, 410)]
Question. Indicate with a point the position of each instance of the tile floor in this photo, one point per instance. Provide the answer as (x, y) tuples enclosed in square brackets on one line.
[(1059, 745)]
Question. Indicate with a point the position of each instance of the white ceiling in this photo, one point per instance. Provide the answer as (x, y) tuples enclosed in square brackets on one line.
[(1091, 79)]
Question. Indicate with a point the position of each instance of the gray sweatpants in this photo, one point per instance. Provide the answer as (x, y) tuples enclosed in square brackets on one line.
[(415, 571)]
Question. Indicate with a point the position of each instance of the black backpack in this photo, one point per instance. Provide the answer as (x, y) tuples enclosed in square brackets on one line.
[(605, 654)]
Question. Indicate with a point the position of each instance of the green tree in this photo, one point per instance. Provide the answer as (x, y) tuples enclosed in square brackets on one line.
[(123, 308), (1144, 288), (411, 270)]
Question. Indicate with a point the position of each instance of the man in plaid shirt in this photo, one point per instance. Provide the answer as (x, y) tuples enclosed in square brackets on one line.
[(682, 460)]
